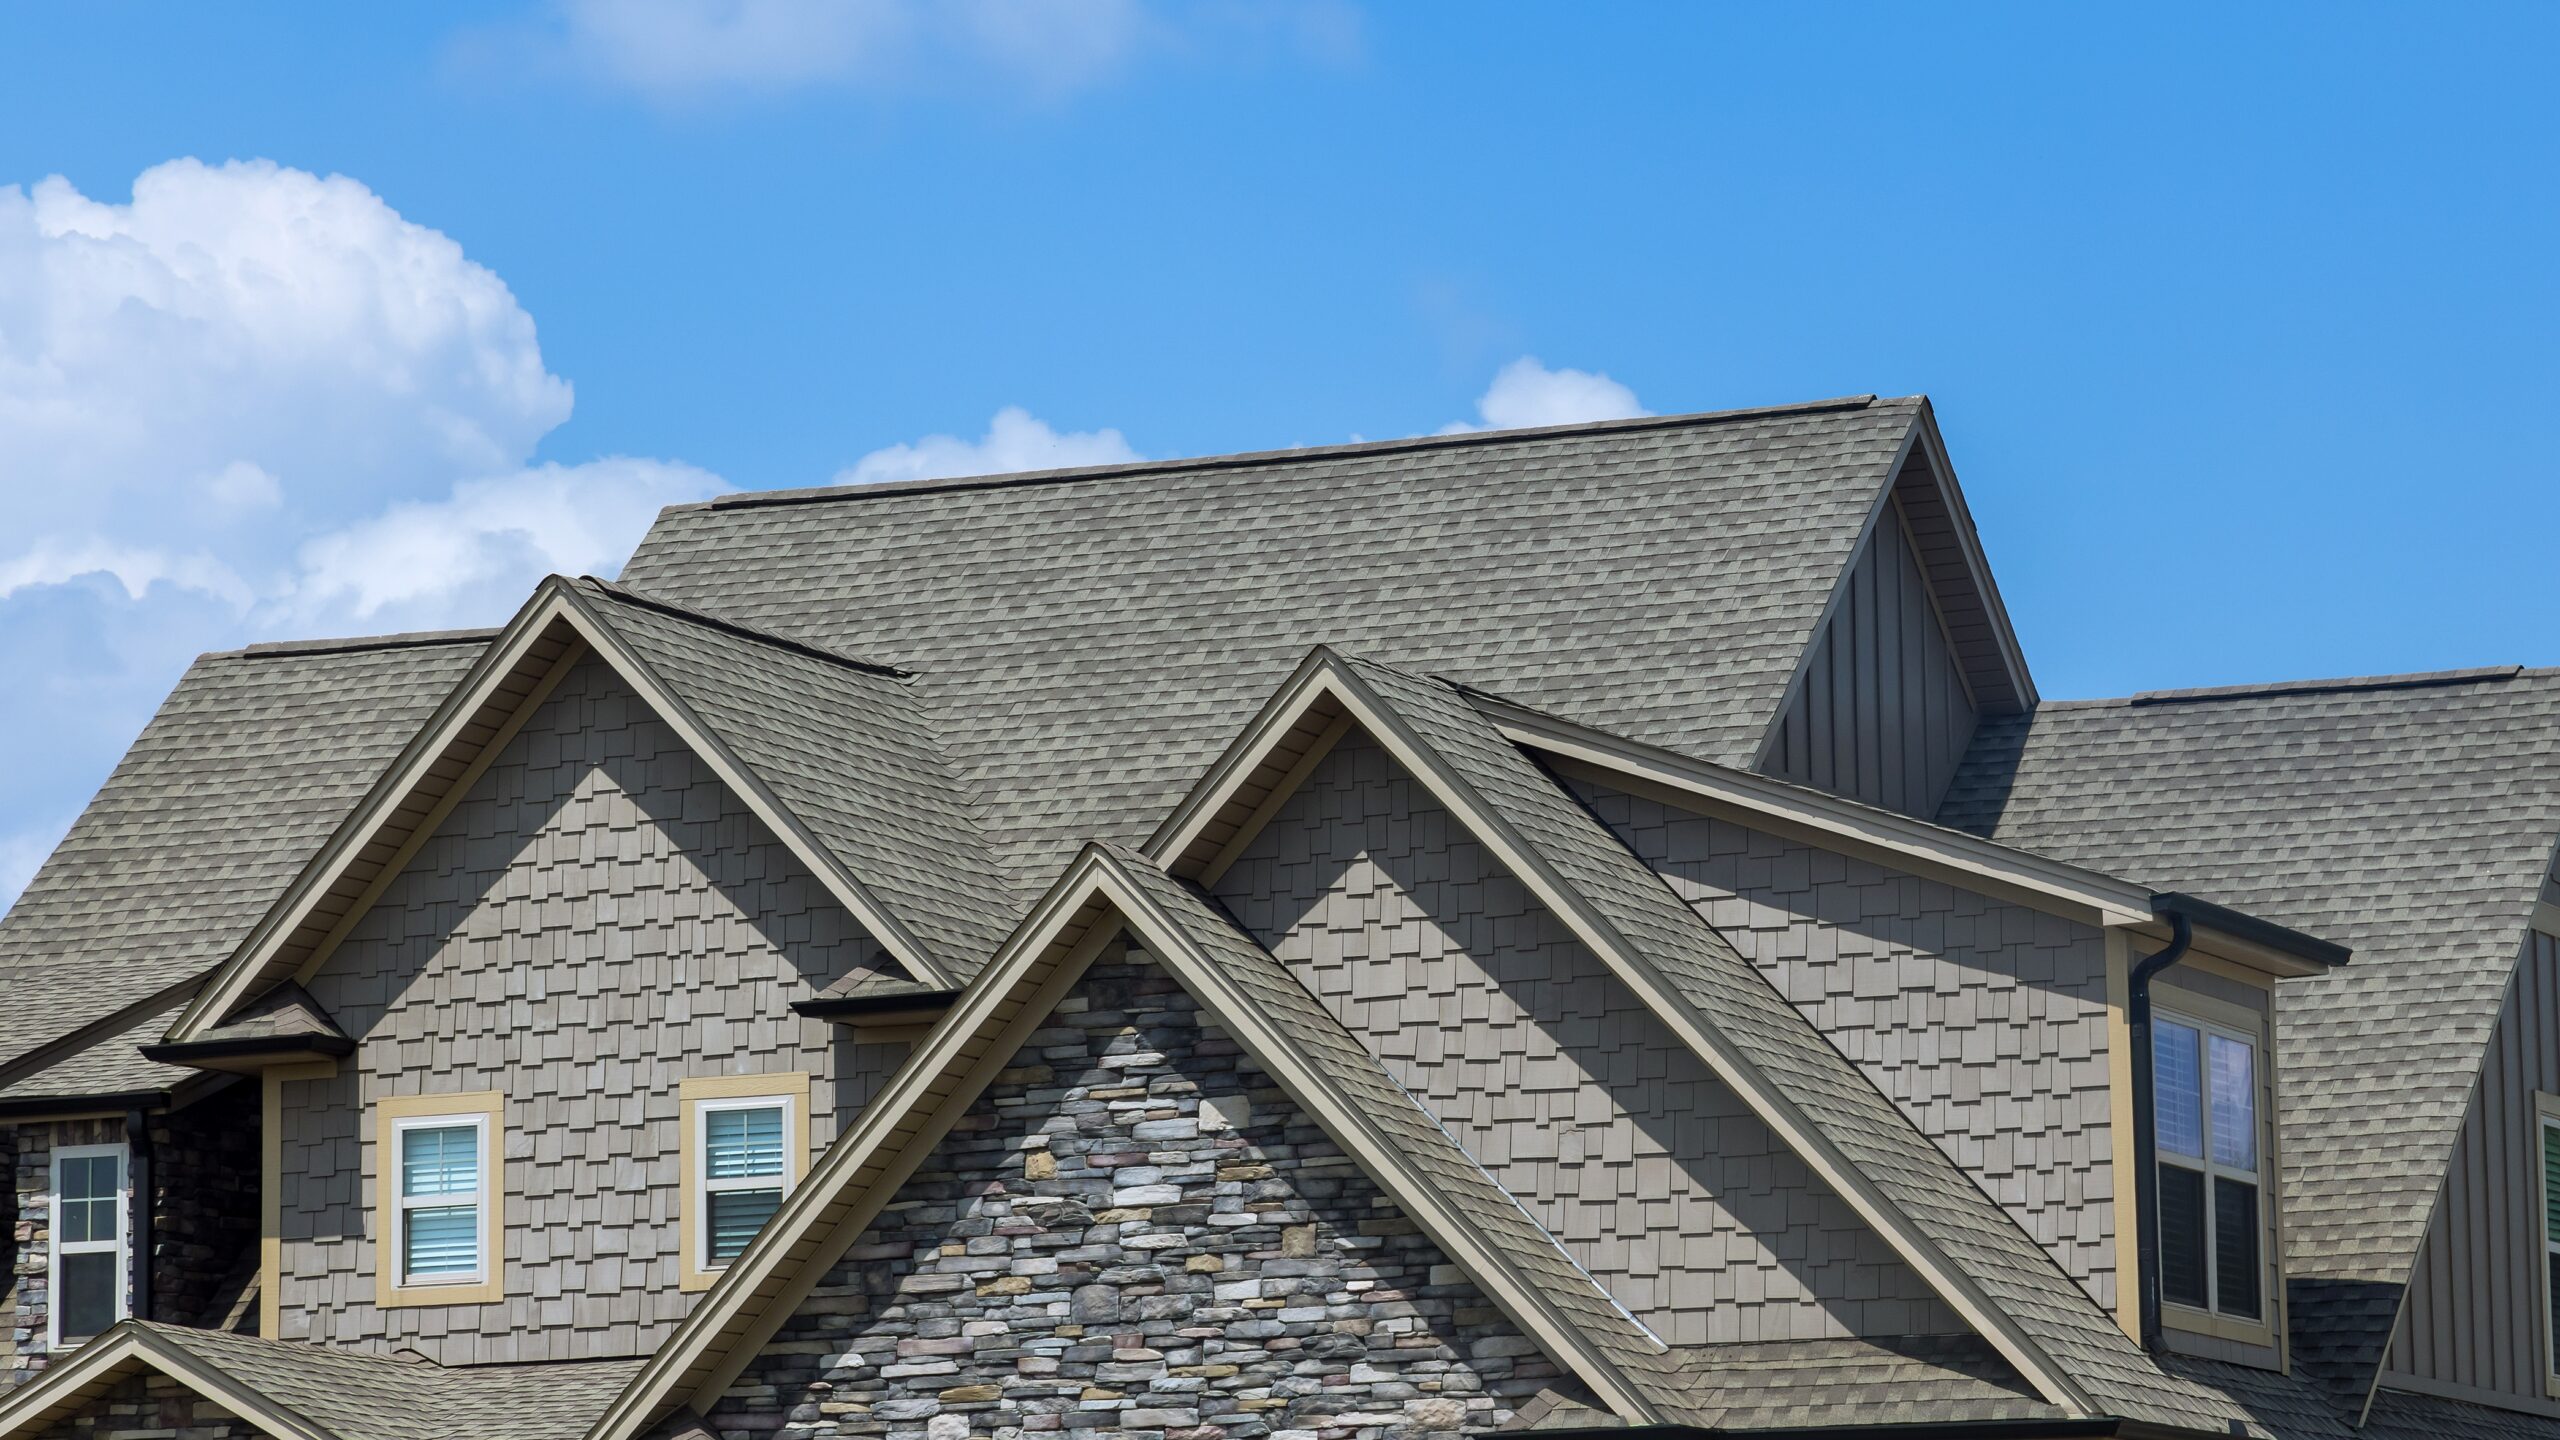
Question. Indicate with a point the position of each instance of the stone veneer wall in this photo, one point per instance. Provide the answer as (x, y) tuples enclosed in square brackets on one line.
[(1985, 1021), (1565, 1085), (1134, 1231), (152, 1406), (204, 1181)]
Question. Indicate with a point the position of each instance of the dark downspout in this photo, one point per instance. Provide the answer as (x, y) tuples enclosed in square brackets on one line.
[(138, 1210), (2146, 1171)]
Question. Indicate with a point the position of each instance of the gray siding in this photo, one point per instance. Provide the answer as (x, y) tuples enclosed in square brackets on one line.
[(597, 920), (1986, 1022), (1882, 714), (2475, 1316), (1613, 1134)]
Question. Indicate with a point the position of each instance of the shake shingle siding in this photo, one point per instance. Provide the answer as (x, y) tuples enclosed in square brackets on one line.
[(1089, 646), (598, 919), (1649, 1169), (1984, 1021)]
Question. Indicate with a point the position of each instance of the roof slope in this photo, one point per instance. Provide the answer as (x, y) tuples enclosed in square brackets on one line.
[(849, 750), (254, 758), (1732, 1000), (2411, 818), (1088, 641)]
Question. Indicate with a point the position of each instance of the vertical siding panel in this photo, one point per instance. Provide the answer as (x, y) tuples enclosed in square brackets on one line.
[(1893, 709), (1871, 610)]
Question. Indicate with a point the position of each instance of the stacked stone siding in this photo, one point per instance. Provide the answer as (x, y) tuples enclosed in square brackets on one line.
[(30, 1301), (152, 1406), (1133, 1231), (204, 1224)]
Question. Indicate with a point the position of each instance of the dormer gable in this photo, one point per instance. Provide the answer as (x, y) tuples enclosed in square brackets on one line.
[(1913, 649)]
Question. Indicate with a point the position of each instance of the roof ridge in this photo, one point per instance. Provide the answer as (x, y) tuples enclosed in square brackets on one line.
[(2338, 685), (754, 499), (353, 644), (744, 631)]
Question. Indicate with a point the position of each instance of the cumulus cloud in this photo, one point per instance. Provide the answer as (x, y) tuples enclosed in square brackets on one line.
[(248, 402), (1015, 440), (1526, 393)]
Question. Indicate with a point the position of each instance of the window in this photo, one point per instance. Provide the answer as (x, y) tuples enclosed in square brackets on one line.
[(87, 1281), (745, 1145), (2547, 1129), (437, 1199), (438, 1171), (2205, 1118)]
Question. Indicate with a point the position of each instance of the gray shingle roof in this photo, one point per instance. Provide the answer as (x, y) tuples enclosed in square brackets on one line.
[(110, 1063), (1732, 997), (248, 765), (2411, 821), (1815, 1382), (848, 749), (361, 1395), (1088, 643)]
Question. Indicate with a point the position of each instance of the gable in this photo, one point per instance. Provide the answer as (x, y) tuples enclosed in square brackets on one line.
[(1134, 1224), (598, 918), (1882, 711), (1648, 1168)]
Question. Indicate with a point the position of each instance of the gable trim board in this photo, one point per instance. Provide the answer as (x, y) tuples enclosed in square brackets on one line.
[(557, 627), (1100, 897), (1327, 679)]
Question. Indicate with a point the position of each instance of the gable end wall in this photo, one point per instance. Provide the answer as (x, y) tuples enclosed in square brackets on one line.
[(1653, 1173), (599, 919)]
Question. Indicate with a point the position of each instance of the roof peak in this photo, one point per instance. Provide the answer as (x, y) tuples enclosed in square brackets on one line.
[(353, 644), (1246, 458), (2339, 685), (642, 598)]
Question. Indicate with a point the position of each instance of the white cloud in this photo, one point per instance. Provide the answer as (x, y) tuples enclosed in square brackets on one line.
[(1526, 393), (252, 402), (472, 553), (1015, 440), (689, 49)]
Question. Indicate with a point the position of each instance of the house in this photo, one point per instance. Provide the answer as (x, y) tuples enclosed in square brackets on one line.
[(1569, 929)]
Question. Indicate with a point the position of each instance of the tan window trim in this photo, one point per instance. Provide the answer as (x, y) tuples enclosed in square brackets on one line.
[(794, 1089), (485, 1106), (2207, 1014)]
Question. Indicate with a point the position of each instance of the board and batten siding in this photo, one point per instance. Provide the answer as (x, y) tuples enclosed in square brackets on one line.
[(1650, 1170), (1881, 713), (1984, 1021), (599, 919), (2473, 1323)]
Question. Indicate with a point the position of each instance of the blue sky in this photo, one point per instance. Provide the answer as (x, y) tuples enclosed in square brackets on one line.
[(2240, 320)]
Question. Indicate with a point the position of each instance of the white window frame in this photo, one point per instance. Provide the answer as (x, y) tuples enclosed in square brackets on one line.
[(396, 1116), (402, 1202), (699, 1098), (2546, 1125), (2211, 1319), (55, 1248)]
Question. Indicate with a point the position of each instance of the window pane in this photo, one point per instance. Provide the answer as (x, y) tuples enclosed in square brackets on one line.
[(742, 1143), (442, 1240), (89, 1292), (2235, 1247), (2177, 1099), (75, 1222), (736, 1216), (2235, 1103), (2555, 1312), (2182, 1235), (2551, 1183), (90, 1177), (442, 1161)]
